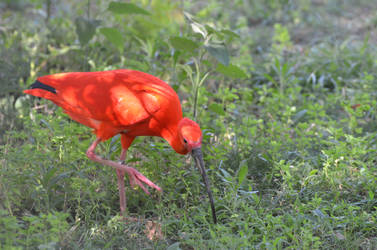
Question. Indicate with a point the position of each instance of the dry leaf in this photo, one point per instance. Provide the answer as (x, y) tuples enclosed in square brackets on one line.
[(340, 236), (153, 230)]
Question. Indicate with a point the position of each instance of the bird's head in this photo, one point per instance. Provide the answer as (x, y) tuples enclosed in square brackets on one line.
[(191, 136)]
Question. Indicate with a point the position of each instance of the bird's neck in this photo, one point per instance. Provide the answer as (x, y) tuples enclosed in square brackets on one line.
[(172, 137)]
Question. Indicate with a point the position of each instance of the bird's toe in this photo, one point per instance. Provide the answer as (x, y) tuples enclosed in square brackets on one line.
[(136, 178)]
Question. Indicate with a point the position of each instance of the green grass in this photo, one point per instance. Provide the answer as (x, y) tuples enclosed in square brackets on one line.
[(289, 126)]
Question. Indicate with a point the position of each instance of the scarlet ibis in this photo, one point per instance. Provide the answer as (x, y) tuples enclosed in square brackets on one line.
[(126, 102)]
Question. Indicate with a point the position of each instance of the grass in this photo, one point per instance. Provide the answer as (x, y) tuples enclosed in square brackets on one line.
[(289, 127)]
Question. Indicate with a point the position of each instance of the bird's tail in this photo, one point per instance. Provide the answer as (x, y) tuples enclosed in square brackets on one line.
[(42, 90)]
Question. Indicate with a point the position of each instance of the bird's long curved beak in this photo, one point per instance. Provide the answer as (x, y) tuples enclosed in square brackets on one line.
[(198, 157)]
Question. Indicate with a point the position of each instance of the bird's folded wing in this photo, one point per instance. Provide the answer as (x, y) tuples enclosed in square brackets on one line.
[(135, 107)]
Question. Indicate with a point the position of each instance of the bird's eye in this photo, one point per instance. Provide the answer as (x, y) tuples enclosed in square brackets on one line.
[(184, 140)]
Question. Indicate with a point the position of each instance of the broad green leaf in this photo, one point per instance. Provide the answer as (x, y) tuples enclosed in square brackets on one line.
[(186, 68), (50, 173), (217, 108), (299, 115), (277, 65), (371, 195), (230, 33), (59, 177), (222, 34), (319, 213), (188, 16), (182, 43), (242, 173), (313, 172), (211, 30), (199, 28), (176, 56), (138, 65), (231, 71), (174, 246), (220, 52), (114, 36), (270, 78), (284, 70), (226, 176), (86, 29), (126, 8)]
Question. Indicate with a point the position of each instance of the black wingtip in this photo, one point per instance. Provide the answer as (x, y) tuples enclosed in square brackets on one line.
[(38, 85)]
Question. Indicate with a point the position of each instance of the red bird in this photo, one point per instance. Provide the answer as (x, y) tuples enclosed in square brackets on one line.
[(126, 102)]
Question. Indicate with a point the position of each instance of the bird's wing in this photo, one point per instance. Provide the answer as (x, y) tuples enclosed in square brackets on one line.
[(114, 98), (132, 107)]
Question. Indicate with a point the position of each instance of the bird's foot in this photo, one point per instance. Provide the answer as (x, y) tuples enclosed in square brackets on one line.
[(136, 178)]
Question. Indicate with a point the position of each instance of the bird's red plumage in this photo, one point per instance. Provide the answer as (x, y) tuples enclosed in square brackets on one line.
[(117, 101)]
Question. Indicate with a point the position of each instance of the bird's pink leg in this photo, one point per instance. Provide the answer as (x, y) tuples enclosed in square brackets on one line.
[(123, 155), (136, 178), (120, 177)]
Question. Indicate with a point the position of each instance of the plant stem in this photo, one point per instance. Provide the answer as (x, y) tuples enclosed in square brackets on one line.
[(86, 66), (196, 88), (196, 93)]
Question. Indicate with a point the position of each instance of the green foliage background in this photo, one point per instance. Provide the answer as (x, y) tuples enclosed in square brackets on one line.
[(285, 92)]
